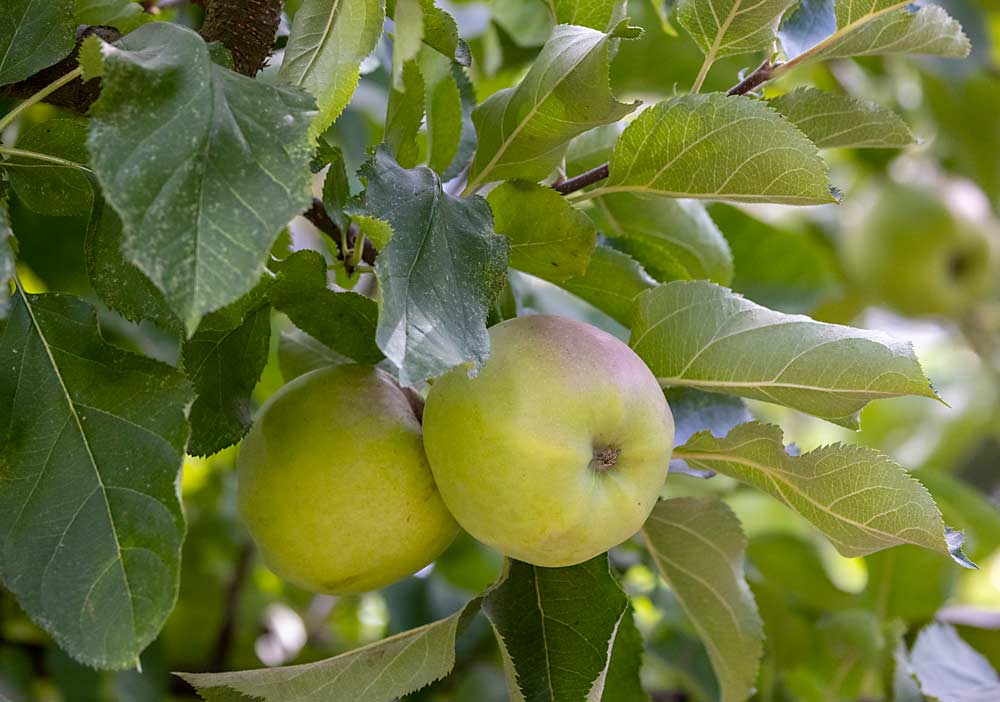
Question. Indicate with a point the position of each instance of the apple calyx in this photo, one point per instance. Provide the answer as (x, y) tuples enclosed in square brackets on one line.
[(604, 458)]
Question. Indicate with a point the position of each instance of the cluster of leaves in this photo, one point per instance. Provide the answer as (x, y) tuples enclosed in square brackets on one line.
[(187, 173)]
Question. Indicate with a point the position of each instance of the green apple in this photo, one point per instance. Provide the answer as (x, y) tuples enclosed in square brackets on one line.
[(334, 484), (557, 449), (914, 253)]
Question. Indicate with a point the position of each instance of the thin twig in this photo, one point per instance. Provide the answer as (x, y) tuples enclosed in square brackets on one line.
[(763, 73), (231, 608)]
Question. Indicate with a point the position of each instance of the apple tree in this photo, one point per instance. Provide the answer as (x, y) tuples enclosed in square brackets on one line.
[(515, 349)]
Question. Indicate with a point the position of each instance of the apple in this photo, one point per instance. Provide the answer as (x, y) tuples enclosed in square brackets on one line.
[(557, 449), (334, 484), (913, 252)]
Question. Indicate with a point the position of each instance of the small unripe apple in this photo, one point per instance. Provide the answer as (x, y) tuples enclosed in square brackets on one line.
[(557, 449), (914, 253), (334, 483)]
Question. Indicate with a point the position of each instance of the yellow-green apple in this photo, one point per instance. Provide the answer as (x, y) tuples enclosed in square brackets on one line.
[(334, 483), (557, 449), (912, 251)]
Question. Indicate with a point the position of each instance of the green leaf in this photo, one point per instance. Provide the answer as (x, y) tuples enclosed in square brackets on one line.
[(652, 229), (438, 29), (908, 583), (299, 353), (34, 34), (343, 321), (950, 670), (450, 100), (557, 629), (548, 236), (408, 21), (379, 672), (612, 283), (201, 222), (859, 498), (793, 564), (596, 14), (119, 284), (967, 508), (124, 15), (728, 27), (779, 268), (846, 653), (881, 27), (93, 439), (224, 360), (834, 120), (327, 42), (622, 682), (404, 115), (696, 334), (699, 546), (50, 189), (756, 155), (523, 131), (439, 273)]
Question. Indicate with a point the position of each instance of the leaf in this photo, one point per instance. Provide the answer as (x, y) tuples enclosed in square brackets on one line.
[(881, 27), (200, 223), (439, 273), (729, 27), (93, 438), (439, 31), (786, 270), (650, 228), (622, 683), (379, 672), (860, 499), (408, 23), (557, 628), (699, 547), (967, 508), (908, 583), (49, 189), (326, 44), (833, 120), (34, 34), (224, 360), (299, 353), (756, 155), (696, 334), (793, 564), (696, 411), (449, 101), (548, 236), (343, 321), (119, 284), (523, 131), (612, 283), (596, 14), (124, 15), (950, 670), (404, 115)]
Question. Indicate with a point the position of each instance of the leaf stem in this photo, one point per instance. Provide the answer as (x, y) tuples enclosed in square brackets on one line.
[(55, 160), (9, 118), (702, 74)]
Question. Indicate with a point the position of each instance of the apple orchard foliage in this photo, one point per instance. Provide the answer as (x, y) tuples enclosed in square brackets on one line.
[(188, 173)]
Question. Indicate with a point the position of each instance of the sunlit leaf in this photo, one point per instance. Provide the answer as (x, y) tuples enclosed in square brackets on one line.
[(696, 334), (833, 120), (596, 14), (123, 15), (728, 27)]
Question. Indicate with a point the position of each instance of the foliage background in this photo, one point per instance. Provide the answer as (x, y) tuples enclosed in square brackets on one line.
[(825, 621)]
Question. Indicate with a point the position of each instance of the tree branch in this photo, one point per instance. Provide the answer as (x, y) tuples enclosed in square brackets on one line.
[(763, 73), (321, 220), (245, 27)]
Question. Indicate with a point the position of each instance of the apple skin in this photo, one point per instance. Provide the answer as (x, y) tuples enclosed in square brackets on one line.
[(334, 483), (912, 252), (516, 450)]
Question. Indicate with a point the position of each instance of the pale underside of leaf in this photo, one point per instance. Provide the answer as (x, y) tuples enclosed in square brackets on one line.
[(860, 499), (699, 547), (696, 334)]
